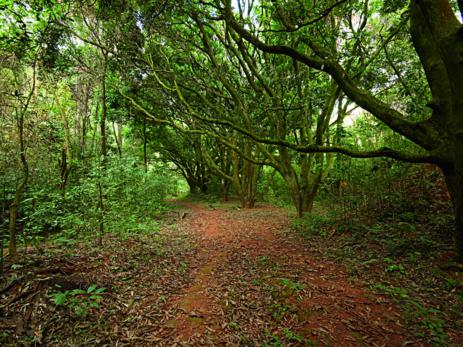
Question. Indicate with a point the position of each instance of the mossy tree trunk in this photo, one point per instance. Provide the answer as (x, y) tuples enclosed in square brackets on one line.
[(438, 39)]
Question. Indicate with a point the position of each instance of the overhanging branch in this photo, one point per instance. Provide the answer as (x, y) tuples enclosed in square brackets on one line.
[(416, 132)]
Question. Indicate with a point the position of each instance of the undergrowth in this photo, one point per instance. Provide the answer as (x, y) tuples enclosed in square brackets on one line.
[(400, 249)]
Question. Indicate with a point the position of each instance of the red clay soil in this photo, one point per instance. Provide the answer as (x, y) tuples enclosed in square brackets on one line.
[(255, 283)]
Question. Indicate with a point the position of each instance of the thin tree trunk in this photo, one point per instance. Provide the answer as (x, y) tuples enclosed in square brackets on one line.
[(104, 153), (118, 138), (19, 189), (101, 208), (145, 142), (95, 130), (2, 229), (65, 171), (104, 115), (23, 183)]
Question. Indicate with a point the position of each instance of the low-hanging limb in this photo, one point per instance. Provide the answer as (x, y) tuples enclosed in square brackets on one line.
[(312, 148), (194, 131)]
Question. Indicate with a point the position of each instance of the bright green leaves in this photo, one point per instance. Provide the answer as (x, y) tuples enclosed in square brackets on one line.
[(79, 300)]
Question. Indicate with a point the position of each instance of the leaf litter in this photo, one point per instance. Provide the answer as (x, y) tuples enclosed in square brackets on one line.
[(219, 277)]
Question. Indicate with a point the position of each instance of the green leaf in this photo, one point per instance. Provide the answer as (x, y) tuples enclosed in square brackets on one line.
[(60, 298), (91, 288), (77, 291)]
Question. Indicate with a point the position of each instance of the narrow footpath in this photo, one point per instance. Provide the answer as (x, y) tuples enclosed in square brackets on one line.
[(253, 282), (210, 276)]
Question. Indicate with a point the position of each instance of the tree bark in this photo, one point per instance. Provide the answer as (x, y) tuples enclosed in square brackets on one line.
[(454, 180), (118, 137), (101, 208), (104, 114), (438, 39), (23, 182), (2, 229), (19, 189)]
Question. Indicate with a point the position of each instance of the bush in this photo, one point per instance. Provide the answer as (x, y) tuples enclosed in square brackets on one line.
[(131, 200)]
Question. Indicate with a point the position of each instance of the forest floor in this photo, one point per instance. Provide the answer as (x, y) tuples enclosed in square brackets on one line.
[(218, 276)]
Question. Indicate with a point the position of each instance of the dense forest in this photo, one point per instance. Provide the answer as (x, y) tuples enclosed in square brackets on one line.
[(231, 173)]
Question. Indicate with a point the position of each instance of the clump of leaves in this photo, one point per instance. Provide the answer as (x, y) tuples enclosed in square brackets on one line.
[(79, 300), (295, 286), (316, 225), (288, 337), (391, 267), (430, 320)]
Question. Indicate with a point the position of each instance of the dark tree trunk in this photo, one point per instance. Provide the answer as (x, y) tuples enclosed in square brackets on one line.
[(2, 230), (118, 138), (455, 186), (197, 184), (226, 189), (438, 39), (104, 114), (65, 171), (309, 199), (19, 190), (296, 195), (454, 178), (101, 208)]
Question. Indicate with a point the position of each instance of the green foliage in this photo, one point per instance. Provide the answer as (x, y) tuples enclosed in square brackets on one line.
[(397, 292), (429, 319), (80, 301), (278, 310), (314, 224), (287, 337), (273, 188), (393, 267), (291, 285)]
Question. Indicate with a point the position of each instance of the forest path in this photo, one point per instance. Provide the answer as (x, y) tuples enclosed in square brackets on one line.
[(254, 282)]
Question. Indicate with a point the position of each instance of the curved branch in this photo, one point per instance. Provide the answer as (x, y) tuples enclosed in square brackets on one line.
[(384, 152), (200, 132), (416, 132)]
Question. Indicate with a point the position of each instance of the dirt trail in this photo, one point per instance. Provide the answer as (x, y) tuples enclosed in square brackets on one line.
[(254, 283)]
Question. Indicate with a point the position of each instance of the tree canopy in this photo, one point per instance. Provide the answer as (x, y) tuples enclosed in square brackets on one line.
[(228, 91)]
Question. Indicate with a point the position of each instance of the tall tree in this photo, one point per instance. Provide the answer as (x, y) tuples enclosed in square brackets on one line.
[(438, 42)]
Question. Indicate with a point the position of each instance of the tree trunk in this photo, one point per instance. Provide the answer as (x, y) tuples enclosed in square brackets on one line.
[(117, 131), (455, 186), (65, 171), (295, 193), (2, 229), (438, 40), (104, 114), (104, 153), (225, 189), (194, 188), (19, 189), (308, 202), (454, 179), (101, 208), (145, 144)]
